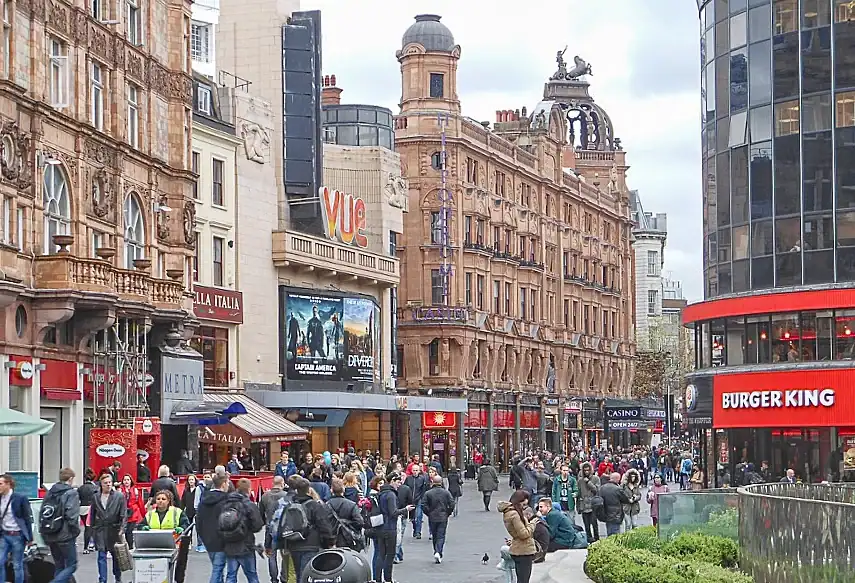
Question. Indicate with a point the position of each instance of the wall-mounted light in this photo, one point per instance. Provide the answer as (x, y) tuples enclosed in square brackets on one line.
[(41, 366), (162, 208), (86, 371), (10, 364)]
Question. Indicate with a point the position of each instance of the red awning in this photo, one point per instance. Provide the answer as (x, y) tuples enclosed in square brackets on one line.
[(61, 394)]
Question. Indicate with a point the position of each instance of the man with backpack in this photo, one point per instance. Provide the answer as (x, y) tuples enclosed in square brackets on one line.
[(59, 525), (267, 505), (348, 518), (207, 516), (237, 524)]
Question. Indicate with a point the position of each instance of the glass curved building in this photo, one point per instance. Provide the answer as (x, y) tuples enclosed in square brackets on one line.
[(778, 146), (358, 125)]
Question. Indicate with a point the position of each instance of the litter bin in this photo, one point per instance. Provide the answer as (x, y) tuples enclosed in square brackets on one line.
[(154, 556), (339, 565)]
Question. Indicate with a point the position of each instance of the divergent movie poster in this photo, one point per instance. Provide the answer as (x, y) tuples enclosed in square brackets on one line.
[(331, 338)]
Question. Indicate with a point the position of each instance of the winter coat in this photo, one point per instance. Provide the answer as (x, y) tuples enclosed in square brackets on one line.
[(605, 469), (352, 494), (108, 521), (69, 501), (653, 499), (632, 491), (488, 479), (588, 488), (529, 477), (455, 482), (255, 523), (347, 511), (438, 504), (190, 501), (520, 531), (560, 528), (419, 485), (165, 483), (614, 498), (543, 483), (136, 506), (565, 490), (322, 489), (321, 533), (270, 502), (207, 520), (286, 471)]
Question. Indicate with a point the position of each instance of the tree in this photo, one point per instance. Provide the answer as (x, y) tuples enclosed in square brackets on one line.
[(661, 368)]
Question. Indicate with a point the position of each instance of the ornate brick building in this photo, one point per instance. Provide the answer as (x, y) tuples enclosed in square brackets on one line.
[(516, 279), (97, 212)]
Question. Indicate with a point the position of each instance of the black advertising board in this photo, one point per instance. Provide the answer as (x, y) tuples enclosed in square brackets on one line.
[(698, 401)]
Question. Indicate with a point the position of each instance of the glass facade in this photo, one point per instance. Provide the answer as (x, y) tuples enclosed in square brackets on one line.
[(778, 143), (358, 125)]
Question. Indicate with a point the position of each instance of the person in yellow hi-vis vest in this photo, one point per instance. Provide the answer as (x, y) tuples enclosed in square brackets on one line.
[(164, 515)]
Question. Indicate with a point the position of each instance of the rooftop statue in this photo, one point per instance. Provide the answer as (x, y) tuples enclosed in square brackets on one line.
[(581, 68)]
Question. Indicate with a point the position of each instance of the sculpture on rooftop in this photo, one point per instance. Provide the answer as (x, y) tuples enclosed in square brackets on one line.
[(562, 74)]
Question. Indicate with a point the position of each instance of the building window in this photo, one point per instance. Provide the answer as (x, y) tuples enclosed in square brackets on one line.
[(134, 231), (217, 256), (533, 301), (134, 22), (194, 168), (497, 235), (436, 161), (437, 82), (133, 116), (59, 73), (98, 241), (19, 230), (508, 241), (652, 302), (497, 303), (7, 39), (586, 318), (467, 284), (471, 170), (217, 167), (479, 234), (523, 313), (480, 297), (508, 299), (99, 10), (200, 35), (574, 315), (399, 361), (614, 323), (96, 95), (433, 358), (203, 99), (653, 263), (197, 257), (57, 210), (566, 313), (436, 227), (467, 230), (213, 345), (437, 289)]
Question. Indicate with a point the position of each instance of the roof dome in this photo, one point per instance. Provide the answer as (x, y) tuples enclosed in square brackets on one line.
[(429, 32)]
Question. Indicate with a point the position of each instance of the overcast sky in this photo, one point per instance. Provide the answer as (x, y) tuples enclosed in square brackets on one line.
[(645, 75)]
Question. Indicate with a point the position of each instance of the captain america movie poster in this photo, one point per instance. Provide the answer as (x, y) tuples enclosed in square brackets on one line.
[(330, 338)]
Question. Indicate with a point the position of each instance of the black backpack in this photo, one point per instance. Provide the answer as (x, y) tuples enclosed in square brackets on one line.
[(231, 524), (51, 515)]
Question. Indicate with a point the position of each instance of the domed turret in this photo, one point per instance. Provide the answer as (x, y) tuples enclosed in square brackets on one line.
[(429, 32)]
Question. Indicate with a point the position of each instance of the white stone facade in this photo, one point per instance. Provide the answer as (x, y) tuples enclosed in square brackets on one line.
[(649, 235)]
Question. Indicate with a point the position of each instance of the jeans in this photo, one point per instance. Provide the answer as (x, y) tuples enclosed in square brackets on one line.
[(418, 518), (592, 527), (399, 547), (102, 567), (487, 496), (14, 545), (612, 528), (437, 533), (456, 505), (684, 481), (245, 562), (65, 559), (628, 522), (301, 559), (273, 566), (522, 565), (218, 563), (384, 554)]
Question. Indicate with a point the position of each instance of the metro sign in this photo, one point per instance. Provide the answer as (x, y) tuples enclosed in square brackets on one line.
[(344, 217)]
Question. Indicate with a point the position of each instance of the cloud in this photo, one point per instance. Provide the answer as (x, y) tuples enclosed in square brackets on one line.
[(645, 59)]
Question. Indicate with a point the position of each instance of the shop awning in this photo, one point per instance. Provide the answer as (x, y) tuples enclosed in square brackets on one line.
[(260, 423), (323, 417), (61, 394), (206, 413)]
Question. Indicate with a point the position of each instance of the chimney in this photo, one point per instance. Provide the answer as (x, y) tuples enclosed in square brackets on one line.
[(330, 94)]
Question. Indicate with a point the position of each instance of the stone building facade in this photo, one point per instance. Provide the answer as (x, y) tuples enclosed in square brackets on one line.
[(531, 224), (97, 217)]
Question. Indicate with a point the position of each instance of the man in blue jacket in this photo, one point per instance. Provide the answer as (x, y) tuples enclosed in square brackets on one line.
[(16, 522), (285, 467)]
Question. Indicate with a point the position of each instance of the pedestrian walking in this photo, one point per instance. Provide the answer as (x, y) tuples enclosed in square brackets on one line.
[(614, 497), (348, 516), (385, 534), (135, 506), (589, 487), (488, 482), (564, 491), (108, 517), (439, 504), (207, 522), (418, 483), (190, 499), (631, 485), (59, 525), (163, 482), (319, 532), (659, 487), (238, 522), (267, 506), (455, 485), (405, 500), (86, 492), (521, 531)]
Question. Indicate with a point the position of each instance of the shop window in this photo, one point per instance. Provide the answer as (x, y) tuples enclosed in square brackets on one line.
[(844, 46), (735, 342), (845, 335), (433, 358), (399, 361), (757, 340), (785, 338), (213, 344), (717, 342), (817, 335), (704, 345)]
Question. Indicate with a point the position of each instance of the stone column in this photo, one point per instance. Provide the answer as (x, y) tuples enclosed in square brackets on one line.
[(491, 431), (542, 422), (517, 432), (386, 336)]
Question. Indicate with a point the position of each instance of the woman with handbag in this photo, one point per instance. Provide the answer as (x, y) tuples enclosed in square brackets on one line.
[(135, 507), (108, 518), (523, 547), (87, 492), (455, 485)]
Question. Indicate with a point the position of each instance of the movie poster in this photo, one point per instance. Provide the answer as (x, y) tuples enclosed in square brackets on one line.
[(331, 338)]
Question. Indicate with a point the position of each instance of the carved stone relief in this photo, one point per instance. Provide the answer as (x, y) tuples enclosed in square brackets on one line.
[(444, 357), (57, 17), (396, 191), (190, 222), (103, 193), (256, 141), (98, 152), (162, 219)]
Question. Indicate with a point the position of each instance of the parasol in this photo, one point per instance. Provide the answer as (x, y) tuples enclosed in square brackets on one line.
[(15, 423)]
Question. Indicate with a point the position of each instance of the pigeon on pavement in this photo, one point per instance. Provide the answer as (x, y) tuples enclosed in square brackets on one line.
[(485, 559)]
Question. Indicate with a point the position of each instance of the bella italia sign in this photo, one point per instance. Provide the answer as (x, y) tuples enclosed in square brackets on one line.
[(222, 305)]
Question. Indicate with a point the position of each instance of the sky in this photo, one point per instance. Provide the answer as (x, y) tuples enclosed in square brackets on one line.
[(646, 75)]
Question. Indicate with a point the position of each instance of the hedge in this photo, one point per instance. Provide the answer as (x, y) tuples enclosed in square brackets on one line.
[(640, 557)]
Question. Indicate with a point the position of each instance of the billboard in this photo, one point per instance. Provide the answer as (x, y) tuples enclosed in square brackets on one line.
[(331, 338)]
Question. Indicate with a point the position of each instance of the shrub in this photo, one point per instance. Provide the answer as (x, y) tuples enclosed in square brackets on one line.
[(709, 549)]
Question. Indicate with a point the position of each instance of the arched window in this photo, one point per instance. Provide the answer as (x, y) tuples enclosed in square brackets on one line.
[(57, 212), (134, 231)]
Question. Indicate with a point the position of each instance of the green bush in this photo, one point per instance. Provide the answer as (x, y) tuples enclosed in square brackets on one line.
[(700, 547)]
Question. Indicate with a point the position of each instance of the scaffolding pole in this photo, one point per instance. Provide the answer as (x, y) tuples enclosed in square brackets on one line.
[(120, 370)]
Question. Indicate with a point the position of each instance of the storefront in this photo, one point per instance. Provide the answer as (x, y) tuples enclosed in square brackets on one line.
[(592, 423), (439, 436), (796, 419), (249, 435), (504, 429), (476, 426), (220, 311), (551, 423), (629, 423), (572, 424), (530, 436)]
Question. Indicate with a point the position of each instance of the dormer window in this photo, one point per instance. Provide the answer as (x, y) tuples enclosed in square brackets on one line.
[(203, 99)]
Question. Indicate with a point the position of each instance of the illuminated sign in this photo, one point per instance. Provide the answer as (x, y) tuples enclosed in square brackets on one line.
[(344, 217)]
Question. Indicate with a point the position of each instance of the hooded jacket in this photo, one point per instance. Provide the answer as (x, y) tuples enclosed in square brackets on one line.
[(321, 533), (254, 524), (419, 485), (69, 501), (588, 488), (520, 531), (488, 479), (632, 491), (560, 528), (438, 504), (614, 499), (207, 520)]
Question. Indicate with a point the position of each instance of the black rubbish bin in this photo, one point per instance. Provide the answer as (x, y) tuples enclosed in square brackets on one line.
[(337, 566)]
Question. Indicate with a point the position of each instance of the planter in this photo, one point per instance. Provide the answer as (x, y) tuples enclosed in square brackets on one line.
[(105, 253), (63, 242), (175, 274), (142, 264)]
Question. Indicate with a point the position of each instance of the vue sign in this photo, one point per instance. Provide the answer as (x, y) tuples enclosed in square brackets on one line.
[(344, 217)]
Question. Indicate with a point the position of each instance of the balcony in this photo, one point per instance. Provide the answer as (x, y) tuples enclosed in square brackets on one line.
[(531, 264), (291, 248), (63, 271)]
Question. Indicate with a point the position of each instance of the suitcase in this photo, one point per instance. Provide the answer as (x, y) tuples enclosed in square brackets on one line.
[(38, 567)]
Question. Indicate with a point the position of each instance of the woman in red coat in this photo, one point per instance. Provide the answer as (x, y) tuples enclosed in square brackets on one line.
[(133, 496)]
